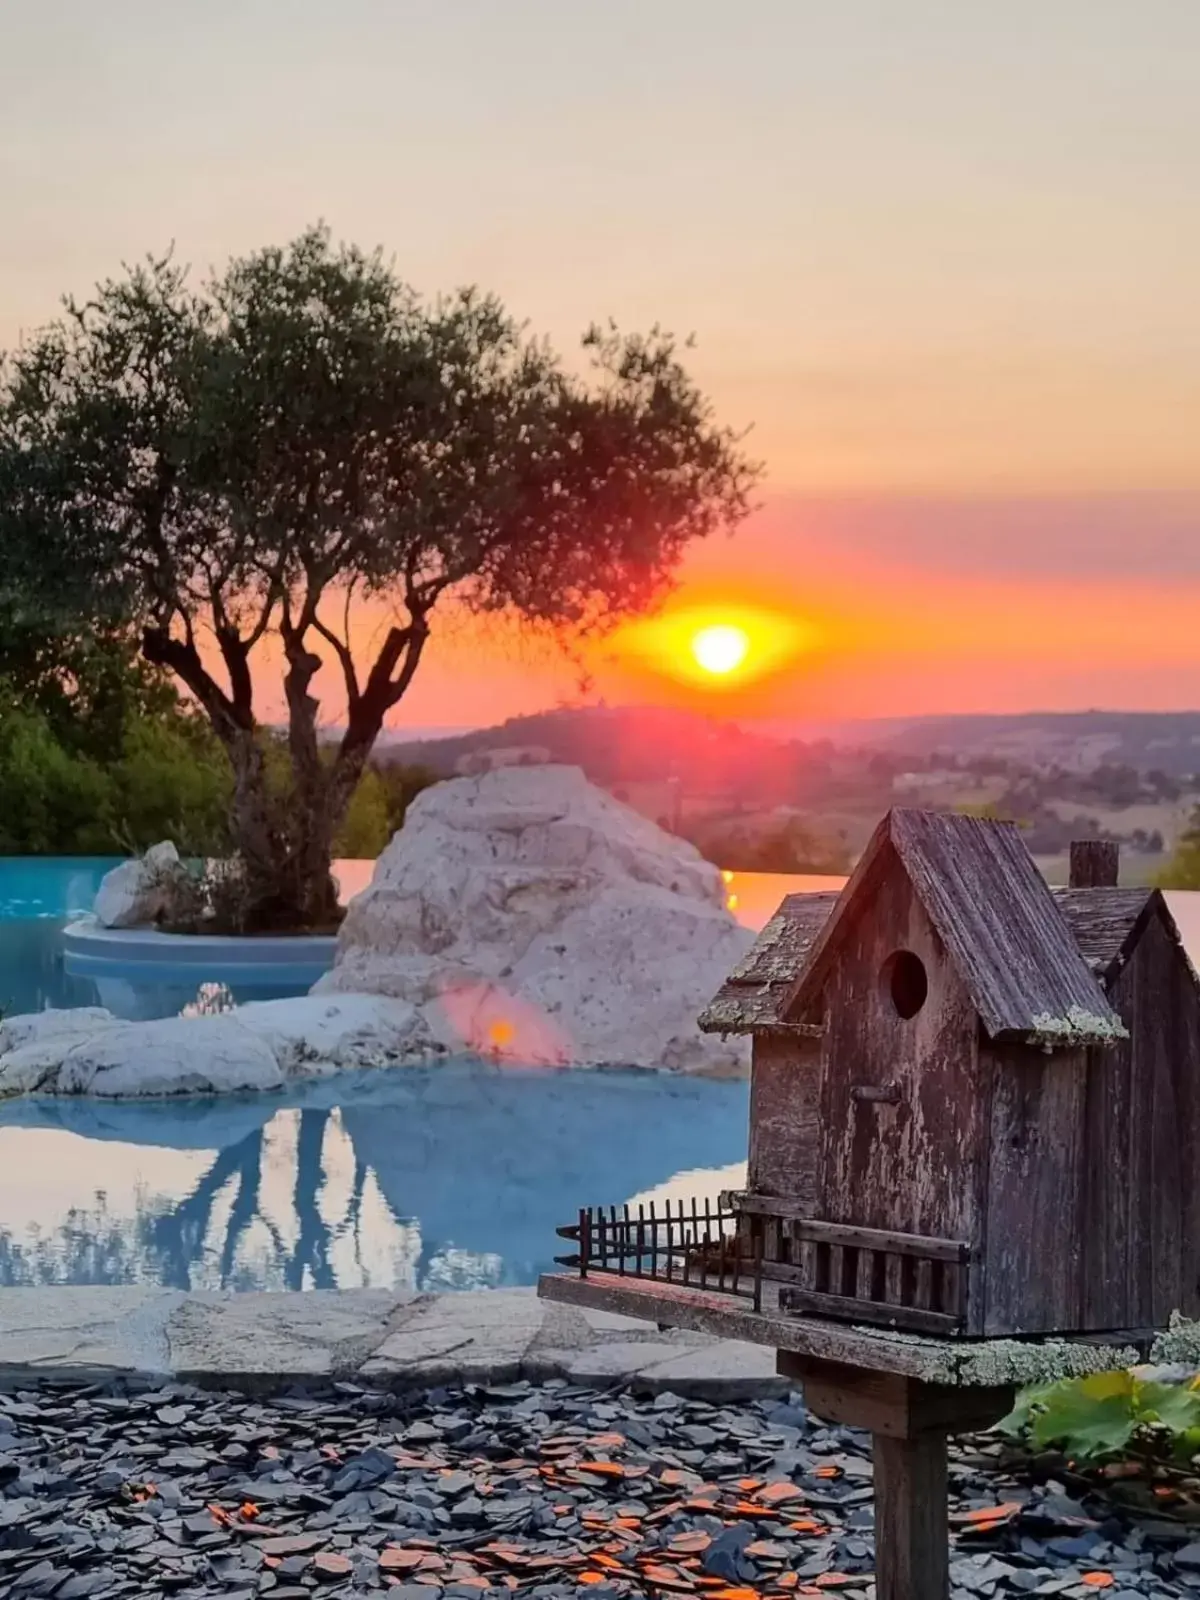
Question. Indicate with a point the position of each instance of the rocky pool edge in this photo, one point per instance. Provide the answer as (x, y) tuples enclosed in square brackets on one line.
[(264, 1342)]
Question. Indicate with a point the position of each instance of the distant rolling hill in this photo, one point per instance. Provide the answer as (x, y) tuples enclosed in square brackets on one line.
[(1168, 741), (635, 742), (611, 743)]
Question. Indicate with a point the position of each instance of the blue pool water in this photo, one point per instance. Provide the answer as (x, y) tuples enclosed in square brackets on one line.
[(427, 1178), (38, 896)]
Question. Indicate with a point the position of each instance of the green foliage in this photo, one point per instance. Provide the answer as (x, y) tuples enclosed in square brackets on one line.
[(377, 809), (402, 784), (1182, 871), (1108, 1414), (989, 811), (53, 800), (86, 682), (166, 779), (364, 830), (172, 781)]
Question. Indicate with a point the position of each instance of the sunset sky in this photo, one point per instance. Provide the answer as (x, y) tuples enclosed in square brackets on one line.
[(944, 256)]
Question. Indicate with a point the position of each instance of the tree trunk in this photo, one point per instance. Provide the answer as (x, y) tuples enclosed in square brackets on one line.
[(258, 840), (285, 841), (315, 891)]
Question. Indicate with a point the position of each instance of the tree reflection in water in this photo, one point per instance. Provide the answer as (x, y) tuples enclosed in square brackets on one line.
[(181, 1236), (453, 1177)]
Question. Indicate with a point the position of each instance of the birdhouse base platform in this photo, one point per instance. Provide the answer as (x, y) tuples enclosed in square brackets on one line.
[(910, 1391)]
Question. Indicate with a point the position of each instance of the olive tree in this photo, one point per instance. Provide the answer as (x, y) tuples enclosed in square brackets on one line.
[(251, 458)]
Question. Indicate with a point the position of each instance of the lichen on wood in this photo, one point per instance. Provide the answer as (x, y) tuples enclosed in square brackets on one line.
[(1180, 1343), (1078, 1026)]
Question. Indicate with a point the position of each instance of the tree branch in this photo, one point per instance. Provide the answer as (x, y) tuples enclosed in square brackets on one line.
[(181, 657), (346, 659)]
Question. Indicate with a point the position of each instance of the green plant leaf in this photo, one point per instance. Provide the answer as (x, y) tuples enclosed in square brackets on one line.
[(1089, 1417), (1028, 1402), (1173, 1405)]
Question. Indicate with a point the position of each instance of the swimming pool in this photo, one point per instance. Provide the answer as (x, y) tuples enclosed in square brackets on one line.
[(426, 1178), (39, 895)]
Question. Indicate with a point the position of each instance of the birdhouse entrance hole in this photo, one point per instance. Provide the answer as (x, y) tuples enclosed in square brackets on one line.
[(905, 982)]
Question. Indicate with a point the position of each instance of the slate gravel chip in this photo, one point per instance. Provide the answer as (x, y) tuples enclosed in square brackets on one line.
[(551, 1492)]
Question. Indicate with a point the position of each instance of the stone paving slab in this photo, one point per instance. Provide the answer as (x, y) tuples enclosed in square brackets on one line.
[(264, 1342), (257, 1339), (84, 1332)]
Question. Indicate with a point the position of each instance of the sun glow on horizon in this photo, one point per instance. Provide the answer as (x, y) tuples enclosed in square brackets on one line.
[(720, 648)]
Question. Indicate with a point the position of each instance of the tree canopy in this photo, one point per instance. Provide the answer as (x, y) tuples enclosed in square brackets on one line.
[(212, 465)]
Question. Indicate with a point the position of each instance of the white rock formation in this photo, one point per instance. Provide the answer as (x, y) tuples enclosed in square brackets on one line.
[(533, 916), (521, 914), (47, 1027), (33, 1047), (323, 1033), (141, 892), (261, 1046), (180, 1055)]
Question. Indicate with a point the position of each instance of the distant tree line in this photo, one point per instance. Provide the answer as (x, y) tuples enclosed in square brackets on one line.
[(776, 843)]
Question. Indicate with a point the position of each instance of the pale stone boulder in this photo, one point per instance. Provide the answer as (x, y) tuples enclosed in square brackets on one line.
[(33, 1047), (259, 1046), (651, 960), (141, 892), (43, 1027), (180, 1055), (318, 1034), (533, 916)]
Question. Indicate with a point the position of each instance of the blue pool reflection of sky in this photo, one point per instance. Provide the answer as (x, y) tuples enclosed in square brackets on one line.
[(429, 1178)]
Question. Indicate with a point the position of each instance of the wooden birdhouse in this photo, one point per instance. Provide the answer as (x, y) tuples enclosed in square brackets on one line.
[(975, 1101), (974, 1113)]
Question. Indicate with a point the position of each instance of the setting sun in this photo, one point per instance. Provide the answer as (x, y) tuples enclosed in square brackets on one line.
[(721, 648)]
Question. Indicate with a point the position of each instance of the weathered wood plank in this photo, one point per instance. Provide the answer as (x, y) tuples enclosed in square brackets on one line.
[(1157, 992), (913, 1319), (885, 1402), (912, 1534), (805, 1227), (995, 915), (754, 994), (960, 1362), (1094, 864), (913, 1167), (1109, 1297), (784, 1095), (1103, 923), (1036, 1192)]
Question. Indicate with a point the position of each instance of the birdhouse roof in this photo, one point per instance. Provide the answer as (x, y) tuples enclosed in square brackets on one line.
[(752, 998), (1027, 974), (1108, 922)]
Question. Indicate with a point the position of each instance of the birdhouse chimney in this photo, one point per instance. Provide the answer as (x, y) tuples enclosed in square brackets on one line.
[(1095, 864)]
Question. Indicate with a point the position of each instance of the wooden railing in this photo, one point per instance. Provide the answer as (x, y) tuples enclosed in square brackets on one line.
[(738, 1243)]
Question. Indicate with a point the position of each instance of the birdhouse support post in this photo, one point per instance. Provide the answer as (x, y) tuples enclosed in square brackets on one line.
[(910, 1423)]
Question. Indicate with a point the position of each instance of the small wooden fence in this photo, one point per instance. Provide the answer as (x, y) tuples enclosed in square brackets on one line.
[(738, 1243)]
